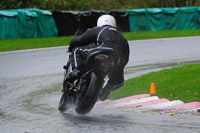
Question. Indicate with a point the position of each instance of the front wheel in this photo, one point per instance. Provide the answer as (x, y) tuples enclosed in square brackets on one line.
[(62, 107), (65, 103), (86, 101)]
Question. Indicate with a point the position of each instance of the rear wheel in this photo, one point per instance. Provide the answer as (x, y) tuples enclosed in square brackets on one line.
[(90, 92)]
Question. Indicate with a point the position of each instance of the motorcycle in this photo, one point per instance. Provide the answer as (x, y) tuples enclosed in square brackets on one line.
[(83, 93)]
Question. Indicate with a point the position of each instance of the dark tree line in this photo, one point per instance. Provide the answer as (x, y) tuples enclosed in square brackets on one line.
[(94, 4), (174, 3)]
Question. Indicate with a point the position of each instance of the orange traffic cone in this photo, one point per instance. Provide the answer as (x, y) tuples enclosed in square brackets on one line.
[(153, 89)]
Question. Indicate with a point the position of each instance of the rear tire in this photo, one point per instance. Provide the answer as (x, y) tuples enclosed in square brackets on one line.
[(86, 101)]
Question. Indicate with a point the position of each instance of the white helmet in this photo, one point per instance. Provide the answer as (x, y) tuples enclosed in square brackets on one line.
[(106, 20)]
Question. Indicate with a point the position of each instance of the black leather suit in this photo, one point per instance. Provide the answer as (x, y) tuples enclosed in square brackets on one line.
[(105, 36)]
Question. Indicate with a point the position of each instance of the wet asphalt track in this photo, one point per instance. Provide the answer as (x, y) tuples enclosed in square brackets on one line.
[(30, 84)]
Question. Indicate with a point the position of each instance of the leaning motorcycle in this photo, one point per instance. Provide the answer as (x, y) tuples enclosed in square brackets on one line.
[(83, 92)]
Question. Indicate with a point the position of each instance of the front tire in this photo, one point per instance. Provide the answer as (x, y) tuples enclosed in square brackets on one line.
[(65, 103), (62, 107)]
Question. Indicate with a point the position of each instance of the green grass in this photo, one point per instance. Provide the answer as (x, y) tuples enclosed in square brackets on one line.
[(160, 34), (21, 44), (180, 83)]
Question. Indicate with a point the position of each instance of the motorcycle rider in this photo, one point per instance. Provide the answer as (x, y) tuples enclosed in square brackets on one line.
[(104, 35)]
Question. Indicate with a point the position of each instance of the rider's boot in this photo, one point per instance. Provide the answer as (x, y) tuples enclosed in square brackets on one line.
[(107, 89)]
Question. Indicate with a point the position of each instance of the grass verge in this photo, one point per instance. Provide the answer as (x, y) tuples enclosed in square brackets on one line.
[(180, 83), (21, 44), (160, 34)]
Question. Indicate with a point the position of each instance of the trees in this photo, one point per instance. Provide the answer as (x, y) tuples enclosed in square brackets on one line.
[(15, 4), (174, 3), (94, 4)]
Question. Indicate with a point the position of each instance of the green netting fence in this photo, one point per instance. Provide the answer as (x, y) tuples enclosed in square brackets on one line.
[(155, 19), (8, 25), (34, 23), (27, 23)]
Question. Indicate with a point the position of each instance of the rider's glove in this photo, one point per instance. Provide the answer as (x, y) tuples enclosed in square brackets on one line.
[(70, 48)]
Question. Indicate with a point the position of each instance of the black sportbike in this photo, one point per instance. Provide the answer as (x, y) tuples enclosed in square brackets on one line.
[(83, 92)]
